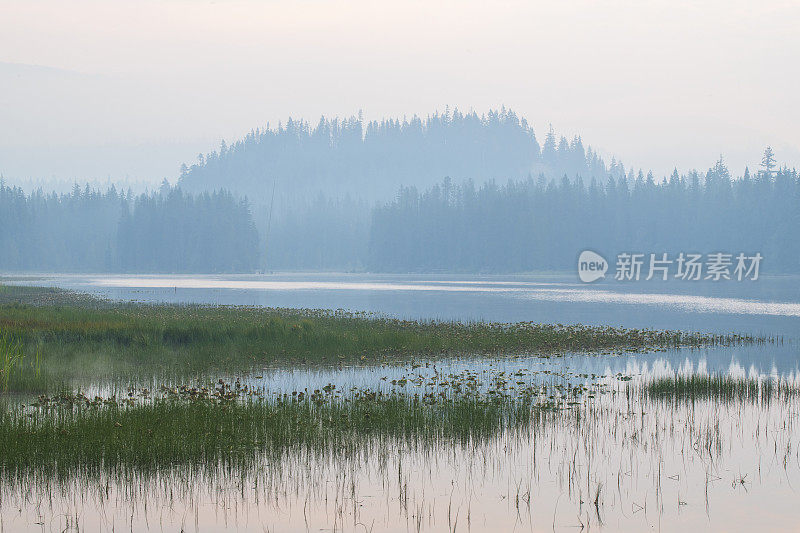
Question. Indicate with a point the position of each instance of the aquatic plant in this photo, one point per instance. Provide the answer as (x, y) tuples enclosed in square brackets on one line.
[(720, 387), (71, 433), (327, 450)]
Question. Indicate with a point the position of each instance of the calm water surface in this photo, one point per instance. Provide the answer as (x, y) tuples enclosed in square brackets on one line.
[(612, 465), (770, 305)]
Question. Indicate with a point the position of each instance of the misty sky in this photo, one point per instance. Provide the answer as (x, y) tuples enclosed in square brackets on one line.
[(92, 89)]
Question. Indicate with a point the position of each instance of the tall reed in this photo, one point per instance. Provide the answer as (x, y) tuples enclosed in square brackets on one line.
[(15, 372)]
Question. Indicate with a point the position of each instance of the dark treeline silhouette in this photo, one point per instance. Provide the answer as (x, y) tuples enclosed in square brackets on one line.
[(370, 161), (89, 230), (544, 224)]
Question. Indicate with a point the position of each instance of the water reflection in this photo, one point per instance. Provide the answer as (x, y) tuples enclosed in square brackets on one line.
[(769, 361), (617, 463)]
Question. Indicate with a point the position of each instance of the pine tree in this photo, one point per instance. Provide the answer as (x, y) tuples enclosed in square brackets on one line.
[(768, 161)]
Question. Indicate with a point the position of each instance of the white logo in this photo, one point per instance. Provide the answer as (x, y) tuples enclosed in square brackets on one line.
[(591, 266)]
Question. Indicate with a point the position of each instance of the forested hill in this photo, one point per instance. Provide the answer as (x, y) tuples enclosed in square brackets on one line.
[(372, 160)]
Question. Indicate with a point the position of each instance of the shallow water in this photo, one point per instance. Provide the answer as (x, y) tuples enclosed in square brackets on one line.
[(735, 361), (613, 463), (610, 464)]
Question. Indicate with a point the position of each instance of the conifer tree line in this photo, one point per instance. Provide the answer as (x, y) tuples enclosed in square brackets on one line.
[(350, 195), (521, 225), (92, 231), (544, 224), (370, 160), (313, 187)]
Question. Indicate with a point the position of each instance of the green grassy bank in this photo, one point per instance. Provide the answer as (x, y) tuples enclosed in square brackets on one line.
[(54, 337)]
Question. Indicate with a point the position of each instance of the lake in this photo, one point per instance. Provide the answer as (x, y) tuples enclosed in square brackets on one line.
[(770, 305), (618, 462)]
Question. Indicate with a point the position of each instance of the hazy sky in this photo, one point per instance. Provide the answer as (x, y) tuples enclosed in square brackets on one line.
[(136, 87)]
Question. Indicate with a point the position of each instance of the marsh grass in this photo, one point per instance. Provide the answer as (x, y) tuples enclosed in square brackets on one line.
[(717, 387), (235, 429), (179, 449), (221, 442), (18, 372), (80, 336), (88, 438), (10, 357)]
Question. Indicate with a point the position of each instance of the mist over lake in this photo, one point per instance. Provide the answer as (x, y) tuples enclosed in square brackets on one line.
[(399, 266)]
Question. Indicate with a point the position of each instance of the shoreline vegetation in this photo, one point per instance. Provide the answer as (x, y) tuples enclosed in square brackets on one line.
[(232, 426), (54, 338)]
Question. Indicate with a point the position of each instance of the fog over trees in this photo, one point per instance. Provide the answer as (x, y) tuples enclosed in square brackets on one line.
[(315, 187), (92, 231), (346, 156), (544, 224), (451, 192)]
